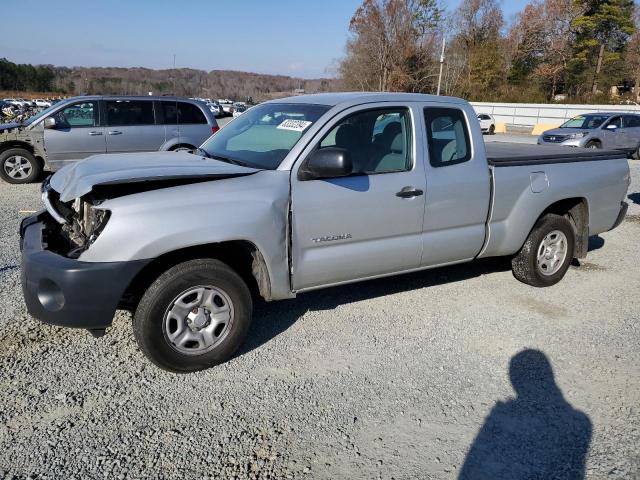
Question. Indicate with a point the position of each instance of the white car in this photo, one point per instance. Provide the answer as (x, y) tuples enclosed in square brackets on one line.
[(42, 103), (239, 110), (215, 109), (13, 101), (487, 123)]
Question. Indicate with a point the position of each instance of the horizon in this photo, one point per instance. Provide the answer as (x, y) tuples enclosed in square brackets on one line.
[(115, 41)]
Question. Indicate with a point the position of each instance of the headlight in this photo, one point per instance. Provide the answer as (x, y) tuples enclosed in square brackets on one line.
[(573, 136)]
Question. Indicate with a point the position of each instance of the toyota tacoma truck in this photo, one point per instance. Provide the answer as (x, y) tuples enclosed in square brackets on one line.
[(300, 194)]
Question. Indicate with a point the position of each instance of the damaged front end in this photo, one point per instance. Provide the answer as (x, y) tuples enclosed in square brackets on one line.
[(79, 222)]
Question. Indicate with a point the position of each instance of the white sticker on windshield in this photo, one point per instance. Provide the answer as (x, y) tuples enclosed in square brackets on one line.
[(295, 125)]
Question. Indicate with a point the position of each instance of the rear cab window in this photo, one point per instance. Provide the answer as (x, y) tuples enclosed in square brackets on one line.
[(447, 136)]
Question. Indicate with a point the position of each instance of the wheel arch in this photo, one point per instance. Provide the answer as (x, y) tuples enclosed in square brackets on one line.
[(8, 145), (576, 209), (241, 255)]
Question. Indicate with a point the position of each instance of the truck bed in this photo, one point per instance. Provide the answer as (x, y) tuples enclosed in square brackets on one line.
[(502, 154)]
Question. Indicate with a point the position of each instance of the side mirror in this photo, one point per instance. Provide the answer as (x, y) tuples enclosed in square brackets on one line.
[(612, 127), (49, 122), (330, 162)]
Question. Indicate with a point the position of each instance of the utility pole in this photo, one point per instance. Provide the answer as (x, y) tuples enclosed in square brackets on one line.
[(441, 65)]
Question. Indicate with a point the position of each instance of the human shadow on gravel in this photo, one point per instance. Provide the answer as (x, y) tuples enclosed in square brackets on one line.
[(634, 197), (537, 435), (271, 319)]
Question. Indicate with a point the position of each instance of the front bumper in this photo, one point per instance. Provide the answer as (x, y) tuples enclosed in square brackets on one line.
[(67, 292)]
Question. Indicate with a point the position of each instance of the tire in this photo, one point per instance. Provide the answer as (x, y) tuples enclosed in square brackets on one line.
[(184, 148), (636, 153), (529, 268), (162, 331), (492, 130), (18, 166), (593, 144)]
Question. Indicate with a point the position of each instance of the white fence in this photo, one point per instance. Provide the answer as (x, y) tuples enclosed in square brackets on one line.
[(532, 114)]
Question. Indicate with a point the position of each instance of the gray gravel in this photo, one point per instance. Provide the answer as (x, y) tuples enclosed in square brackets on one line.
[(391, 378)]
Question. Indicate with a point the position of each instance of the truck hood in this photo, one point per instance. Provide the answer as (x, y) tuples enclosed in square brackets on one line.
[(79, 178), (9, 126)]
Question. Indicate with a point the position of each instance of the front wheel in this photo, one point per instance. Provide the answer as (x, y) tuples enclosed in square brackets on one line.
[(492, 129), (593, 145), (194, 316), (547, 253), (18, 165)]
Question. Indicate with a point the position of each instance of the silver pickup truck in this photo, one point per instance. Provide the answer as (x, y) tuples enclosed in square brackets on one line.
[(300, 194)]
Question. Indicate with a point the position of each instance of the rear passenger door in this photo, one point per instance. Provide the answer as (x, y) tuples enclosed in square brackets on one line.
[(631, 129), (131, 127), (458, 187)]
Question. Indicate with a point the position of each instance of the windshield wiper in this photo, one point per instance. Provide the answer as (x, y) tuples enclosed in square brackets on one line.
[(233, 161)]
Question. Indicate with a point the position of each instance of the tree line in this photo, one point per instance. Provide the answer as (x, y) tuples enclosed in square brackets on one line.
[(140, 81), (25, 77), (554, 49)]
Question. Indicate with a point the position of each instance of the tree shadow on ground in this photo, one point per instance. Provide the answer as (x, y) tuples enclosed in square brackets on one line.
[(273, 318), (537, 435)]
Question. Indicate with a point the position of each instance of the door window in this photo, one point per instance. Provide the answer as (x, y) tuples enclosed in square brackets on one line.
[(84, 114), (182, 113), (447, 136), (617, 121), (632, 121), (129, 112), (379, 141)]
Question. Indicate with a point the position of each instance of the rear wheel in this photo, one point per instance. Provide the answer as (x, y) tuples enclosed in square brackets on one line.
[(547, 253), (593, 144), (18, 165), (194, 316)]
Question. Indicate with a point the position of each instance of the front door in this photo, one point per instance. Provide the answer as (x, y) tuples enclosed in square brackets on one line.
[(76, 134), (130, 126), (362, 225)]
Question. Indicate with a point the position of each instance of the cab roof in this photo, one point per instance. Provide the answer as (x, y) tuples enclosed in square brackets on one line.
[(357, 98)]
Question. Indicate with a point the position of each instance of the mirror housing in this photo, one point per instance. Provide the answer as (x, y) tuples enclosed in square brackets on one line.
[(611, 126), (49, 122), (330, 162)]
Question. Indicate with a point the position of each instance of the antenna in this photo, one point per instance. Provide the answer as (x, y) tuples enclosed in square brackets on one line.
[(441, 65)]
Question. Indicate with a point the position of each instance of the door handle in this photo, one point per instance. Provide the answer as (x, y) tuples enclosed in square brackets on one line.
[(115, 132), (409, 192), (93, 134)]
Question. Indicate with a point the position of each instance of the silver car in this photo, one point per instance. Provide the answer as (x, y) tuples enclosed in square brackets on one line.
[(610, 131), (79, 127)]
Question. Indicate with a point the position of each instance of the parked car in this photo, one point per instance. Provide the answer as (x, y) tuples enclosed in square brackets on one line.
[(216, 109), (42, 103), (79, 127), (487, 123), (314, 200), (609, 131), (228, 108), (239, 110), (13, 101)]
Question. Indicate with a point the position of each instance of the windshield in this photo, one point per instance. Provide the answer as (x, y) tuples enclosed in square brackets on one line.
[(39, 115), (585, 121), (264, 135)]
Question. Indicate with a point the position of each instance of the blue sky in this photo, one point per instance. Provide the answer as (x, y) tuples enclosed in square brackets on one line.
[(292, 37)]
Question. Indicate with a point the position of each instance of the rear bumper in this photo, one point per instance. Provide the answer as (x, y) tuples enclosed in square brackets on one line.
[(624, 206), (67, 292)]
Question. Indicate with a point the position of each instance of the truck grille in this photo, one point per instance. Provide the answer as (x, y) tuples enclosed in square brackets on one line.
[(554, 138)]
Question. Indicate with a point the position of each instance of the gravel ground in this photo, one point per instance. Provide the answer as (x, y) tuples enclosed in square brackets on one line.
[(388, 379)]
